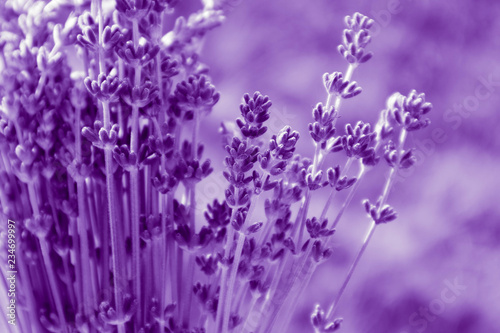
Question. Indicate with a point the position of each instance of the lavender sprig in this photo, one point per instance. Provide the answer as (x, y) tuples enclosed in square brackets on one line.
[(121, 136), (413, 107)]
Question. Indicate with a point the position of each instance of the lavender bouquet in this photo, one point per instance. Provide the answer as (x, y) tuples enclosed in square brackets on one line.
[(101, 113)]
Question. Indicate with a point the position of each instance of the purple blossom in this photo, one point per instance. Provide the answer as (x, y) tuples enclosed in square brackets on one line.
[(103, 137)]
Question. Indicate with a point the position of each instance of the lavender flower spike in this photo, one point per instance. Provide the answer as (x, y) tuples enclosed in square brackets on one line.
[(116, 212)]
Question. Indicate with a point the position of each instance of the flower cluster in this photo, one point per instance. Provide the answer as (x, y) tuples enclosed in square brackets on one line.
[(356, 37), (102, 161)]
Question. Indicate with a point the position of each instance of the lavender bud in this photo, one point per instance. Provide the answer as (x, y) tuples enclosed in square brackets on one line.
[(88, 39), (134, 9), (317, 228), (255, 111), (408, 159)]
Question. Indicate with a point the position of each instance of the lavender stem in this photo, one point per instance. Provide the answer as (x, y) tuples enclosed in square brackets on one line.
[(335, 303), (232, 279), (334, 191), (223, 283), (348, 200), (383, 200)]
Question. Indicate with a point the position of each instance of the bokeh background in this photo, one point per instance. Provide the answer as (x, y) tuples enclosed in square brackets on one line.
[(448, 232)]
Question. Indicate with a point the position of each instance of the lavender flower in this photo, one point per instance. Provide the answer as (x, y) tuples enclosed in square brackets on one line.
[(102, 165)]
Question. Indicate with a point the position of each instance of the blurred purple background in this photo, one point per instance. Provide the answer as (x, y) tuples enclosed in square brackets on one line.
[(436, 268)]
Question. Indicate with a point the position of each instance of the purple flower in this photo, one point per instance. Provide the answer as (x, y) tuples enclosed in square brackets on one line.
[(105, 175)]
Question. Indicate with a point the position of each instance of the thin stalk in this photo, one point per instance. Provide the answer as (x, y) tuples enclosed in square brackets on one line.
[(148, 193), (180, 270), (335, 303), (274, 285), (241, 295), (53, 284), (250, 311), (227, 249), (163, 248), (88, 297), (302, 214), (263, 235), (334, 191), (105, 236), (65, 258), (316, 157), (46, 259), (135, 233), (383, 199), (134, 138), (134, 184), (236, 264), (232, 279), (188, 292), (75, 257), (168, 239), (33, 199), (116, 239), (94, 264), (338, 99), (159, 81), (296, 296), (303, 260), (96, 236), (150, 283), (348, 200)]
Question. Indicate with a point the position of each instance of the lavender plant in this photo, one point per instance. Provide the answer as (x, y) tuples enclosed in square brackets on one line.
[(101, 160)]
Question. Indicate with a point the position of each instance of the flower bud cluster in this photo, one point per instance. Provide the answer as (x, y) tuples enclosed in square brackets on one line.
[(255, 111), (379, 214), (336, 181), (195, 95), (355, 39), (322, 129), (318, 229), (391, 155), (358, 142), (320, 322), (336, 84), (409, 111)]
